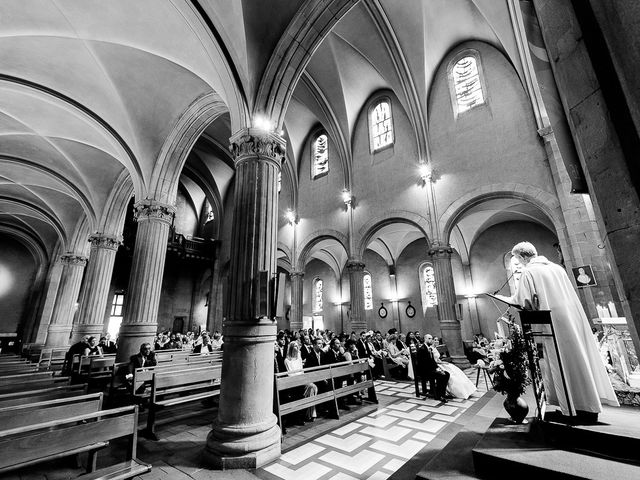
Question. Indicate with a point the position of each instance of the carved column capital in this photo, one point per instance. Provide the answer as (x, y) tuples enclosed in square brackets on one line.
[(545, 132), (152, 210), (295, 274), (250, 143), (440, 251), (355, 266), (107, 242), (73, 260)]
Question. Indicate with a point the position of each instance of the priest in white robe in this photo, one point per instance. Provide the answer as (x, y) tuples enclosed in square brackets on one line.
[(587, 380)]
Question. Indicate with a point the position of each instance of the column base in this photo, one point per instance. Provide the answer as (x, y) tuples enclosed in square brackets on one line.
[(58, 336), (460, 362), (246, 446), (133, 335), (90, 330), (358, 327)]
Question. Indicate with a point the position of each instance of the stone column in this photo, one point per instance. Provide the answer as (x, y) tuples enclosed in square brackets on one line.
[(62, 318), (358, 320), (246, 434), (145, 281), (295, 316), (95, 292), (449, 324)]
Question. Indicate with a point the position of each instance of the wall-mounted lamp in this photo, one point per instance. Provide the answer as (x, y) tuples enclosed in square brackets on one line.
[(427, 173), (392, 270), (291, 217), (347, 198)]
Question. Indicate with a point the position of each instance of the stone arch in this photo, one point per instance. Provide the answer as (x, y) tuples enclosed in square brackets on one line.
[(325, 234), (199, 115), (542, 199), (116, 209), (306, 31), (368, 230)]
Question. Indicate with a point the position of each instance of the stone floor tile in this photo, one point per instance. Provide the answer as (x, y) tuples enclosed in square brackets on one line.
[(357, 464)]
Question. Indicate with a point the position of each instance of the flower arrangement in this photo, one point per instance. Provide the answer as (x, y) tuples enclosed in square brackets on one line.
[(510, 367)]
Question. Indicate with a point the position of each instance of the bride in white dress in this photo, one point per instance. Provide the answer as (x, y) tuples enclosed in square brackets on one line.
[(459, 385)]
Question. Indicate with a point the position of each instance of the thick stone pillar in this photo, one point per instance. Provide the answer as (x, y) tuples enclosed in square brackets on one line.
[(295, 316), (246, 434), (358, 320), (95, 292), (449, 324), (145, 281), (62, 318)]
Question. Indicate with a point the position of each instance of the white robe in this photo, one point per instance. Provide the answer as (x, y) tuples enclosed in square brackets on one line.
[(587, 380)]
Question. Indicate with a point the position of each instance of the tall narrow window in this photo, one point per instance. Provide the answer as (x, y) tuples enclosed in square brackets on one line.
[(466, 83), (210, 215), (368, 292), (320, 160), (381, 126), (428, 286), (115, 320), (317, 295)]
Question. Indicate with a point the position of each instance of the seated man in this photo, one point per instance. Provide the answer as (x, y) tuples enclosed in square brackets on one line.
[(217, 342), (146, 358), (75, 349), (428, 369), (205, 347)]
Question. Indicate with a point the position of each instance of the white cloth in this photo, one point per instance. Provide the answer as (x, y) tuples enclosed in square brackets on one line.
[(587, 381), (459, 385), (294, 367)]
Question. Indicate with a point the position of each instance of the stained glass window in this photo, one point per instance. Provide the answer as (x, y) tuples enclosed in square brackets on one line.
[(466, 81), (320, 164), (317, 295), (428, 286), (368, 292), (381, 126)]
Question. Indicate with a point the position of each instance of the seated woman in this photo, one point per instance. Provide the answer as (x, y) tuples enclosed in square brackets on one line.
[(293, 363), (397, 356), (93, 348), (459, 385)]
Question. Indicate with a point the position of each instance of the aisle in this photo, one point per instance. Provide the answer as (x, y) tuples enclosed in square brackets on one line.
[(376, 445)]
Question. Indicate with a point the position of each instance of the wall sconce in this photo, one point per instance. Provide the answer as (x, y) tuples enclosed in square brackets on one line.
[(429, 174), (291, 217), (347, 198)]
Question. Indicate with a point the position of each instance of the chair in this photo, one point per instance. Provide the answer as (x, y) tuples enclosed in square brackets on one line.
[(481, 366)]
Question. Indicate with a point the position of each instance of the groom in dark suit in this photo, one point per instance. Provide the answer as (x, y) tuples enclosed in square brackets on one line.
[(428, 369)]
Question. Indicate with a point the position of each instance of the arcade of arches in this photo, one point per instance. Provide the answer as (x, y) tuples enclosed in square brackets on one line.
[(175, 156)]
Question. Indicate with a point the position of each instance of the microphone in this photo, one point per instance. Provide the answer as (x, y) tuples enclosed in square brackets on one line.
[(509, 278)]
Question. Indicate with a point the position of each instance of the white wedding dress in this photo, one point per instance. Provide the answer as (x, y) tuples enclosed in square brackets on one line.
[(459, 385)]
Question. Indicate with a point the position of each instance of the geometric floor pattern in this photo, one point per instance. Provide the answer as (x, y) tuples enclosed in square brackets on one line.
[(374, 446)]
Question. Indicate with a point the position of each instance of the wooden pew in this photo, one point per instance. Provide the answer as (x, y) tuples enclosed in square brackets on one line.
[(192, 385), (285, 381), (19, 368), (46, 382), (12, 359), (143, 376), (24, 377), (69, 436), (49, 410), (52, 358), (40, 395)]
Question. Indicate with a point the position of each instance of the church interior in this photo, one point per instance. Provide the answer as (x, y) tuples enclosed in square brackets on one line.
[(251, 167)]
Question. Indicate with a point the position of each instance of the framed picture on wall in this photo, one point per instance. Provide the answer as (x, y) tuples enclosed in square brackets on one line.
[(410, 311), (584, 276), (382, 311)]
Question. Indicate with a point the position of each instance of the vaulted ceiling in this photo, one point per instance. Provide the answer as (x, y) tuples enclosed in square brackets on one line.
[(91, 90)]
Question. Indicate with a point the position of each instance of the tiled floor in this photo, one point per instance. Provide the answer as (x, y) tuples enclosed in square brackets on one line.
[(369, 442), (377, 444)]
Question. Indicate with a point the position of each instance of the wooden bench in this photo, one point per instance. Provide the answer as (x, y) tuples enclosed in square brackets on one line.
[(33, 444), (95, 370), (52, 358), (48, 410), (144, 376), (18, 369), (329, 373), (12, 359), (13, 377), (21, 386), (191, 385), (40, 395)]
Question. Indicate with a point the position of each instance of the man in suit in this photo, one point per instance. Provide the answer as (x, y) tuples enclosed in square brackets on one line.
[(335, 355), (429, 369), (363, 348), (280, 353), (306, 348), (146, 358)]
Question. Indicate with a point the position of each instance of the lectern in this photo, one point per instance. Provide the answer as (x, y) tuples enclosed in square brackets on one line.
[(529, 318)]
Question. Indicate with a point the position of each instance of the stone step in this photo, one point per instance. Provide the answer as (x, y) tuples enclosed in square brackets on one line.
[(508, 451), (616, 435)]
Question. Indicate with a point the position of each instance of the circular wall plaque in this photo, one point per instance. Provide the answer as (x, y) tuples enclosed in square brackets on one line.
[(410, 311), (382, 311)]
